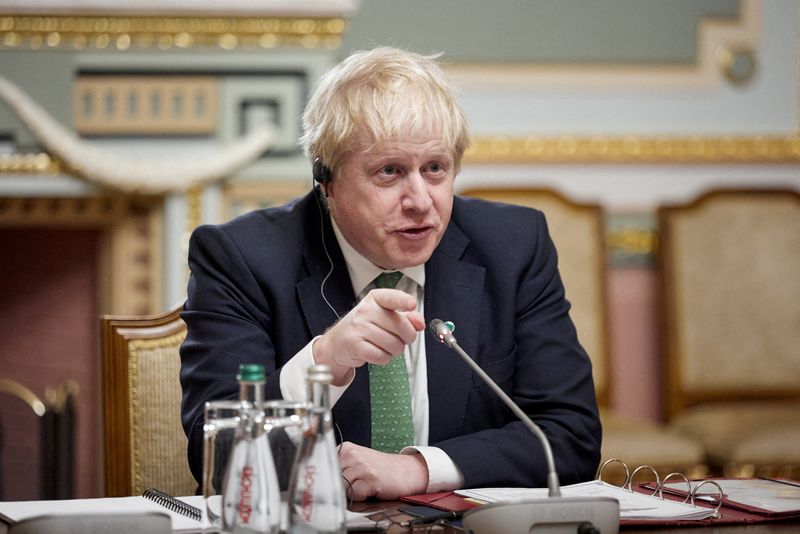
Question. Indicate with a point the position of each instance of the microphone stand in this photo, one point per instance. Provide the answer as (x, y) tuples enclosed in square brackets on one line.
[(554, 515)]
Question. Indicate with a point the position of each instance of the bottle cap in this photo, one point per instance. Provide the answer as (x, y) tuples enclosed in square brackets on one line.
[(320, 373), (251, 372)]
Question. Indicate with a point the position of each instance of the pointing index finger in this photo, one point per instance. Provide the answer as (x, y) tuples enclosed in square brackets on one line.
[(393, 299)]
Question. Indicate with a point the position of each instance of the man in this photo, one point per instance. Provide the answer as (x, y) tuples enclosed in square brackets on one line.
[(297, 285)]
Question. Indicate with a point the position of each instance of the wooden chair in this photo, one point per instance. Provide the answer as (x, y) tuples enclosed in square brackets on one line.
[(144, 443), (730, 277), (578, 232)]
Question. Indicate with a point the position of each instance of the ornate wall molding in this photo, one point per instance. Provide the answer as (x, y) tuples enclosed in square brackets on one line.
[(61, 212), (501, 150), (127, 173), (715, 38), (131, 253), (145, 105), (633, 149), (250, 8), (122, 33)]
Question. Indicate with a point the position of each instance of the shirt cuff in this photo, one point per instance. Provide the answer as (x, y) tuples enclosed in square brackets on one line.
[(293, 377), (443, 473)]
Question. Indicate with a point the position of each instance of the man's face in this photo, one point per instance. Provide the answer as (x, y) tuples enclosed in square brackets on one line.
[(394, 202)]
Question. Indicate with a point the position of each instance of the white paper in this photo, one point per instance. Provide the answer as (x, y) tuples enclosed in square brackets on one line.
[(632, 505), (15, 511), (12, 512), (765, 494)]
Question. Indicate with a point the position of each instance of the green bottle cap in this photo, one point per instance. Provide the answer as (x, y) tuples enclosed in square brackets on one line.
[(251, 372)]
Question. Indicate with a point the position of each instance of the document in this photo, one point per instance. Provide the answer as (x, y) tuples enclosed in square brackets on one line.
[(13, 512), (632, 505), (768, 496)]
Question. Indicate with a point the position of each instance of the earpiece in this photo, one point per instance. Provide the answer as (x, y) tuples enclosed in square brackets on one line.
[(322, 174)]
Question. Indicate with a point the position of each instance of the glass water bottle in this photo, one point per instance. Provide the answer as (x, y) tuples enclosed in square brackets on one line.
[(250, 494), (316, 494)]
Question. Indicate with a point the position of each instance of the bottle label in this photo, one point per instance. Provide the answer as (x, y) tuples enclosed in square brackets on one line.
[(308, 493), (245, 508)]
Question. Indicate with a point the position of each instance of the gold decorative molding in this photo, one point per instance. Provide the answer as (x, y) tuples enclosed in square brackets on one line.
[(61, 212), (632, 241), (168, 32), (631, 149), (194, 207), (564, 149), (40, 164), (739, 65)]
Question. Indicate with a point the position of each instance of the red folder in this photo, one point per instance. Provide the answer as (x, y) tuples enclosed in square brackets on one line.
[(730, 513), (444, 500)]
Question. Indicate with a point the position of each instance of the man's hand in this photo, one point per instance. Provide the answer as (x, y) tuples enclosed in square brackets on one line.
[(379, 327), (378, 474)]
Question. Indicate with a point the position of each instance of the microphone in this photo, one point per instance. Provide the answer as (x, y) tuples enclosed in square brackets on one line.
[(556, 514)]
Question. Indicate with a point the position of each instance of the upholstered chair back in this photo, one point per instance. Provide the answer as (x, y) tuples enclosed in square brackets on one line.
[(579, 236), (144, 443), (577, 231), (730, 276)]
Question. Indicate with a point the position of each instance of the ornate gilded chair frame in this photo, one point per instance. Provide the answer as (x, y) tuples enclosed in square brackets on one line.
[(124, 339)]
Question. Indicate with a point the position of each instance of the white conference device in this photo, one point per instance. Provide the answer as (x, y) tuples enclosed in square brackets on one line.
[(554, 515)]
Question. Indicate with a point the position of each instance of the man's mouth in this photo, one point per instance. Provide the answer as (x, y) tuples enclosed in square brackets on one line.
[(415, 232)]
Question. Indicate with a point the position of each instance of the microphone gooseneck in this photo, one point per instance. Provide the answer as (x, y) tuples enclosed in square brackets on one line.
[(440, 331), (582, 514)]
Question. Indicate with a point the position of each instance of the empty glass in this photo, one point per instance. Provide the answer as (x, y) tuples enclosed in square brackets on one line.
[(285, 422), (222, 418)]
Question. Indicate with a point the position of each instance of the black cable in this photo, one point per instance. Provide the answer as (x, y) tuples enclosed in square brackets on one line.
[(588, 528)]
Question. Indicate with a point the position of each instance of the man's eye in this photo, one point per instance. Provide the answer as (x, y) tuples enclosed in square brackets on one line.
[(388, 169), (435, 167)]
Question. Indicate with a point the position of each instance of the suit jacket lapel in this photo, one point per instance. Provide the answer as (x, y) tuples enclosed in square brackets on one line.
[(453, 292), (351, 413), (338, 289)]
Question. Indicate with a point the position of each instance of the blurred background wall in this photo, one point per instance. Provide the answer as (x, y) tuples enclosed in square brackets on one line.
[(623, 104)]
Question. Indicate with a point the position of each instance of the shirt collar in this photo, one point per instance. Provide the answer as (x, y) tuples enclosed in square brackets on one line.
[(363, 272)]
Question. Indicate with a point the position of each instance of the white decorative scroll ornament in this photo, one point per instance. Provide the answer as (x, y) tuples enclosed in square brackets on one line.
[(127, 173)]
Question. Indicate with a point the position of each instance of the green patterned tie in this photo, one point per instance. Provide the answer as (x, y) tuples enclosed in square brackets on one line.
[(390, 395)]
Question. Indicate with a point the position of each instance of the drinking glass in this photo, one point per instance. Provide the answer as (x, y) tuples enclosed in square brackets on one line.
[(285, 421), (222, 418)]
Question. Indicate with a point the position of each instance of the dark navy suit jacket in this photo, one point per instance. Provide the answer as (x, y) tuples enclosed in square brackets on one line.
[(254, 296)]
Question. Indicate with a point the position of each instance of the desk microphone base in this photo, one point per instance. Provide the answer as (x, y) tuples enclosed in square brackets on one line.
[(554, 515)]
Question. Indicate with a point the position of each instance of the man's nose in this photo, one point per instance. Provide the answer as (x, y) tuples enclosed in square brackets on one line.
[(416, 197)]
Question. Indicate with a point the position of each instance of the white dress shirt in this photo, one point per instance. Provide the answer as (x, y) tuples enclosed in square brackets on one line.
[(443, 474)]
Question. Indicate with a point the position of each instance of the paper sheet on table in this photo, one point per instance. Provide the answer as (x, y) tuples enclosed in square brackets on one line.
[(632, 505), (13, 512), (769, 495)]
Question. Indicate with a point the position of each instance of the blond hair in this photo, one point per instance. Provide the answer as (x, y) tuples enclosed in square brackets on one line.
[(384, 94)]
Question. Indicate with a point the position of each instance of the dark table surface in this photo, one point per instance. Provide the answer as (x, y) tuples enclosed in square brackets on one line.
[(390, 509)]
